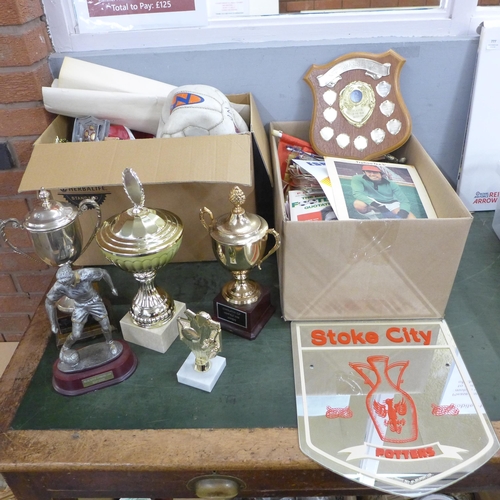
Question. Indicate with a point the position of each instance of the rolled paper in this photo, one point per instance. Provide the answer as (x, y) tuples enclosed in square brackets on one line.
[(78, 74), (135, 111)]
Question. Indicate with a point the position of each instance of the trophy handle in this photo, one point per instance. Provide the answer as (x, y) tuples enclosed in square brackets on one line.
[(17, 225), (204, 211), (84, 206), (277, 243)]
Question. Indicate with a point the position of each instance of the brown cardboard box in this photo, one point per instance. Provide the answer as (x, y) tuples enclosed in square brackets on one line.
[(352, 269), (180, 175)]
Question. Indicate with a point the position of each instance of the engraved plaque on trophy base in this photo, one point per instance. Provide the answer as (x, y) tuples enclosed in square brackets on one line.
[(92, 379), (244, 320), (205, 381), (157, 338)]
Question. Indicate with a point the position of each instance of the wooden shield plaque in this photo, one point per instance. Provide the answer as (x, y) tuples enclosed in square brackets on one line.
[(359, 111)]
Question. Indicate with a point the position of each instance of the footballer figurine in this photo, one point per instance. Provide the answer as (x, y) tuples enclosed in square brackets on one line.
[(78, 285)]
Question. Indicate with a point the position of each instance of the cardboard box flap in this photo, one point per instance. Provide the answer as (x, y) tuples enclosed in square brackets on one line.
[(258, 131), (213, 159), (261, 140), (204, 159)]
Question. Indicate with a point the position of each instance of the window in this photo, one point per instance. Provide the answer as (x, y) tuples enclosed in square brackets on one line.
[(451, 18)]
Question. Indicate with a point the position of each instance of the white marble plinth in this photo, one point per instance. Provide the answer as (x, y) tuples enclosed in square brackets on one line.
[(205, 381), (158, 338)]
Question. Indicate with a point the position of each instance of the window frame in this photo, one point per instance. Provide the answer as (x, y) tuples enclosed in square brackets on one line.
[(455, 18)]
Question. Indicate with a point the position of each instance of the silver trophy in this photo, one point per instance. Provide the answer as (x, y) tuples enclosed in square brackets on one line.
[(55, 231), (141, 241)]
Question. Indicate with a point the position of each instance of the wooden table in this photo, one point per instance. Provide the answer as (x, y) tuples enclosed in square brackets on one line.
[(160, 459)]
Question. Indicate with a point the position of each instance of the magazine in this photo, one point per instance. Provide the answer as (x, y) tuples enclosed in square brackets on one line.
[(319, 171), (376, 190), (305, 206)]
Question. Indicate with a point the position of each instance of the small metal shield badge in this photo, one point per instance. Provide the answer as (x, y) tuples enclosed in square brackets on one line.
[(359, 111), (388, 405)]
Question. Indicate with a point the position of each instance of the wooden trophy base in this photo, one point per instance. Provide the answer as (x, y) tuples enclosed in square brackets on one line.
[(92, 379), (247, 320)]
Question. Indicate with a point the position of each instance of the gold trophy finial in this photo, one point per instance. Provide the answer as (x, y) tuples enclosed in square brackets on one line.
[(237, 198)]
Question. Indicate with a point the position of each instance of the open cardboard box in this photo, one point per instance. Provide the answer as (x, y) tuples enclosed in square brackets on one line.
[(181, 175), (373, 269)]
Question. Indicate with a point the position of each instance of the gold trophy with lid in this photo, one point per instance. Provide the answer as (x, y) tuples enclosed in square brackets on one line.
[(239, 241), (141, 241)]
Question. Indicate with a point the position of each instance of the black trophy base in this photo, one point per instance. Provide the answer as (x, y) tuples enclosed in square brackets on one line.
[(247, 320), (92, 379)]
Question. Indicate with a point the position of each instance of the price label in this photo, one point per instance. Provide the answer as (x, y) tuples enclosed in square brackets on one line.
[(131, 7)]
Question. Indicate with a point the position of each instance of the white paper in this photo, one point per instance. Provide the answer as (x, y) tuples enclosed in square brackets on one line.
[(78, 74), (129, 15)]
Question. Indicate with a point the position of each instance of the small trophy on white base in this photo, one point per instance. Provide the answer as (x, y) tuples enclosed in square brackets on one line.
[(202, 335)]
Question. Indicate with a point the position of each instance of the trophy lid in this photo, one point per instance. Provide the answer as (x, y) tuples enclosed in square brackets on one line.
[(139, 230), (49, 214), (238, 227)]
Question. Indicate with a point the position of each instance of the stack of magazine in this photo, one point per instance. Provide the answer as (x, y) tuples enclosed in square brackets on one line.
[(357, 189)]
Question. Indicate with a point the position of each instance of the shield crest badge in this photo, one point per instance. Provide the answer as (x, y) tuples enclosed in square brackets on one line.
[(359, 111), (381, 404)]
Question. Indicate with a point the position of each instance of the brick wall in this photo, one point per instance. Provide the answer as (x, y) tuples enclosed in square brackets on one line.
[(24, 48)]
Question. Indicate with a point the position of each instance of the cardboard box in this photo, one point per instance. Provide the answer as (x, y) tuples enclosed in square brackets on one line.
[(373, 269), (181, 175)]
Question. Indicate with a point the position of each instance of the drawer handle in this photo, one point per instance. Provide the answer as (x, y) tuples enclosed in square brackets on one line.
[(215, 486)]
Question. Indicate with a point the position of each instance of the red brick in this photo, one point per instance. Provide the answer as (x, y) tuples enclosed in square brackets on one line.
[(327, 4), (20, 302), (13, 208), (6, 284), (35, 282), (383, 4), (11, 262), (24, 45), (19, 238), (13, 337), (23, 147), (356, 4), (19, 11), (24, 119), (14, 326), (412, 3), (297, 6), (23, 84), (9, 181)]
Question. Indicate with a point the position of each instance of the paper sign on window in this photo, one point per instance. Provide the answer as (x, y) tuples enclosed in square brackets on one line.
[(100, 16)]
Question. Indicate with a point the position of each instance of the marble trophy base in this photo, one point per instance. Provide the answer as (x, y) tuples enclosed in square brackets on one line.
[(205, 381), (247, 320), (81, 381), (157, 338)]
